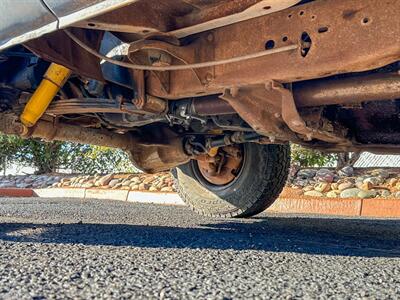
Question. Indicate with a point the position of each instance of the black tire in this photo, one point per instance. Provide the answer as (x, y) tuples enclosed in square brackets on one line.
[(261, 179)]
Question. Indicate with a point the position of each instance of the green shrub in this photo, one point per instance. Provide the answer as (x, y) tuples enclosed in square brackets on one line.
[(47, 157), (310, 158)]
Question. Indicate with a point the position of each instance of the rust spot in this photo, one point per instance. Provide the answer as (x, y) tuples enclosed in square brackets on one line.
[(349, 14)]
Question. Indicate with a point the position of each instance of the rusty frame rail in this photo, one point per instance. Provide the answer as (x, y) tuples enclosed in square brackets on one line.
[(343, 36)]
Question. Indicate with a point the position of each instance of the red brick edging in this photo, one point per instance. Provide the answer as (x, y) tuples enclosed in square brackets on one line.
[(287, 203), (14, 192)]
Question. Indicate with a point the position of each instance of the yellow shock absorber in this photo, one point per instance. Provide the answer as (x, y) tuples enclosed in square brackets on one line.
[(52, 82), (213, 151)]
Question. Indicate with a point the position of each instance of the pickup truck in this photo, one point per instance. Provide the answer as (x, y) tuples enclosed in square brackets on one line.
[(214, 90)]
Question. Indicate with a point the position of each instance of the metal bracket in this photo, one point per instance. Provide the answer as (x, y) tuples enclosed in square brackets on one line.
[(290, 113)]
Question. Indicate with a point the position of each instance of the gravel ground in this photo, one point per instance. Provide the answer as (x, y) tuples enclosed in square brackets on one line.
[(105, 249)]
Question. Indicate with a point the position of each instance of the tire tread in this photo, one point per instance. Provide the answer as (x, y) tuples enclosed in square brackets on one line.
[(274, 175)]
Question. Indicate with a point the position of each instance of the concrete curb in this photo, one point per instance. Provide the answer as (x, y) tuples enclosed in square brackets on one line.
[(339, 207), (107, 194), (381, 208), (59, 193), (120, 195)]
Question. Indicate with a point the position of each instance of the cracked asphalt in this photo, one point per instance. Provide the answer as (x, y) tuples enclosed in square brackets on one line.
[(66, 248)]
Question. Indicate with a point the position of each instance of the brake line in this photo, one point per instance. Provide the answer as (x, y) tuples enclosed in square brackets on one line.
[(179, 67)]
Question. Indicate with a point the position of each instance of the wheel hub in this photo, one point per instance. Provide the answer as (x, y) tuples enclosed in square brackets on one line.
[(224, 167)]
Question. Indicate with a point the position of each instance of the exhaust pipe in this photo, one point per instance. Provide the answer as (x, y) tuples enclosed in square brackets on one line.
[(321, 92), (352, 90)]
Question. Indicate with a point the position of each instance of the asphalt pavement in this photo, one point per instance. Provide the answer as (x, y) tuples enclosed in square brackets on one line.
[(92, 249)]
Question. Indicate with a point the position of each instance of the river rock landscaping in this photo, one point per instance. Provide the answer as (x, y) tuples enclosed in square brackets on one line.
[(161, 182), (347, 183), (326, 183)]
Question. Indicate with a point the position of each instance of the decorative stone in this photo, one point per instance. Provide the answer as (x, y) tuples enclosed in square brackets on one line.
[(322, 187), (23, 185), (306, 174), (313, 194), (30, 179), (153, 189), (88, 185), (393, 182), (105, 180), (334, 186), (366, 186), (384, 174), (65, 180), (126, 182), (329, 178), (129, 177), (135, 180), (308, 188), (367, 194), (134, 187), (331, 194), (346, 171), (167, 189), (117, 186), (345, 185), (322, 172), (301, 183), (113, 183), (143, 186), (350, 193), (384, 193), (325, 175), (148, 180), (373, 180)]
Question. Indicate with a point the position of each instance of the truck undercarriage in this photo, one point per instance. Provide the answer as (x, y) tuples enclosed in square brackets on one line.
[(177, 82)]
